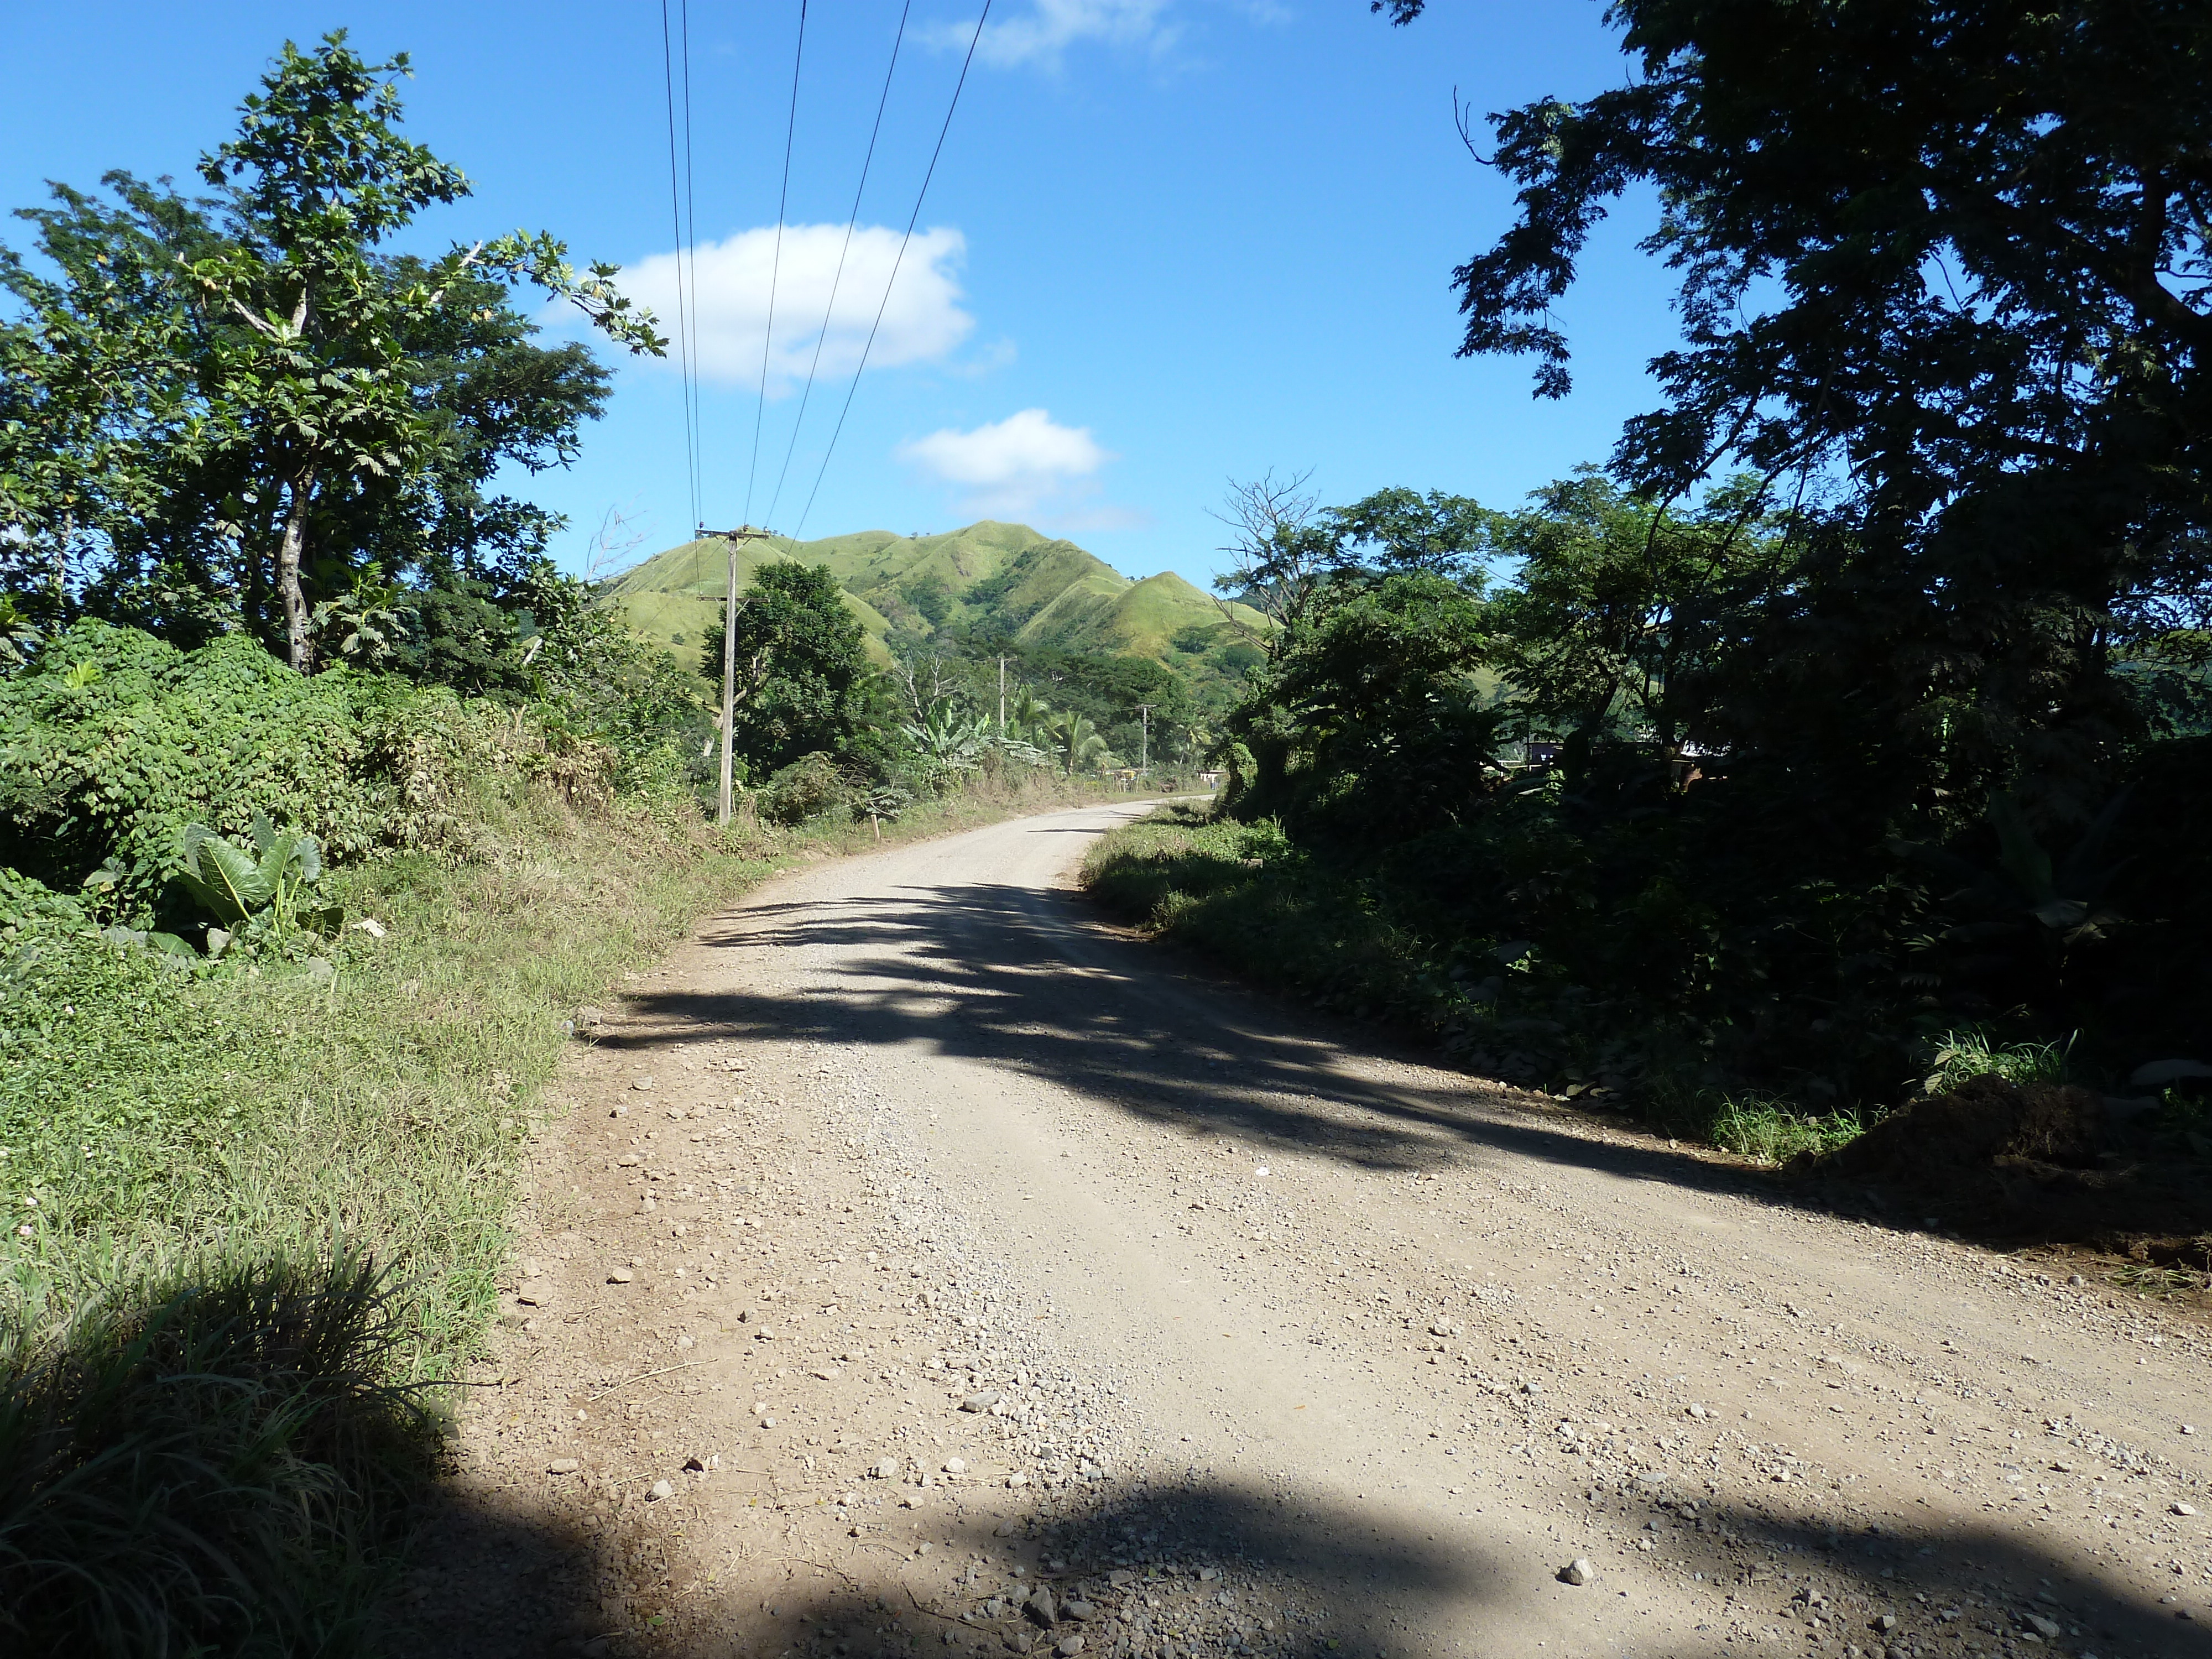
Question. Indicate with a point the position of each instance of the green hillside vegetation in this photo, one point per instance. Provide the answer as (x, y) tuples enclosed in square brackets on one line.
[(968, 596)]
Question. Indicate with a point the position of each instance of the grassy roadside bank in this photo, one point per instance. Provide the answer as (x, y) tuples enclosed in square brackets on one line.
[(2008, 1144), (254, 1218), (1243, 895)]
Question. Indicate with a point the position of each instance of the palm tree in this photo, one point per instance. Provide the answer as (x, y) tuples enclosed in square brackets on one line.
[(1076, 740), (1025, 714)]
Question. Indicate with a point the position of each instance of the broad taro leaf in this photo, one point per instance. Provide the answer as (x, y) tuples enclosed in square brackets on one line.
[(280, 852), (224, 878)]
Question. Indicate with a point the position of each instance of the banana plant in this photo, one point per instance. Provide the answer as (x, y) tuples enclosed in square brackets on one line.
[(949, 738), (235, 886)]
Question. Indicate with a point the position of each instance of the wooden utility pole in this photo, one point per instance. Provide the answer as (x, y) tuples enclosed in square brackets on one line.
[(742, 533), (1002, 699), (1144, 738)]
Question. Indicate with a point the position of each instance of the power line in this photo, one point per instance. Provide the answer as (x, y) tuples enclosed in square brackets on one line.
[(676, 216), (689, 249), (775, 268), (852, 220), (915, 218)]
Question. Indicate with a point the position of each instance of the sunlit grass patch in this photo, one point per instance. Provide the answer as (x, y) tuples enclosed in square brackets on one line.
[(1966, 1054), (1770, 1132)]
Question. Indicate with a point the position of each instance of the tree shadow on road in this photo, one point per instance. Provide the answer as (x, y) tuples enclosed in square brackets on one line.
[(1206, 1567), (1209, 1568), (1036, 982)]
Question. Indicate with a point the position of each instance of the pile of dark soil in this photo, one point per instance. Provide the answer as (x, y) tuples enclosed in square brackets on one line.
[(2039, 1163)]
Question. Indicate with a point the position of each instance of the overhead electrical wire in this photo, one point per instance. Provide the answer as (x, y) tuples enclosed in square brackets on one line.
[(775, 267), (688, 248), (921, 196), (852, 223), (683, 316)]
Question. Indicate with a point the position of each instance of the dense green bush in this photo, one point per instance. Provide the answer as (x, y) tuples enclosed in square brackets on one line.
[(811, 787), (119, 741)]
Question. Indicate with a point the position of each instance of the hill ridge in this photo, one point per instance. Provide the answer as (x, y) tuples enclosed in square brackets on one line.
[(992, 577)]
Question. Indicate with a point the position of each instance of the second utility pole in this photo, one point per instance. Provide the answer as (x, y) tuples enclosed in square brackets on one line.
[(743, 533)]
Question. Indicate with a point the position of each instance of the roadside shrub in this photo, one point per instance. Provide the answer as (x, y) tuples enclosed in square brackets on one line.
[(119, 741), (809, 787), (1965, 1055)]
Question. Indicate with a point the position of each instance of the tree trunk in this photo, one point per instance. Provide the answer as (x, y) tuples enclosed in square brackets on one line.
[(297, 618)]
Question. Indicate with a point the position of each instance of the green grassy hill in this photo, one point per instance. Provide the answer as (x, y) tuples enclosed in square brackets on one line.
[(988, 580)]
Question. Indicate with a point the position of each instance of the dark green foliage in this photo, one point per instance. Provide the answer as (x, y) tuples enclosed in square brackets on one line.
[(1369, 724), (1859, 745), (215, 1464), (1943, 278), (1438, 534), (801, 672), (930, 596), (811, 787), (1623, 618), (1667, 906)]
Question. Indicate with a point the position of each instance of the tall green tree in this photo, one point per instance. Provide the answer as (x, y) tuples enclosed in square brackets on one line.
[(1945, 286), (802, 671), (225, 407), (1621, 612)]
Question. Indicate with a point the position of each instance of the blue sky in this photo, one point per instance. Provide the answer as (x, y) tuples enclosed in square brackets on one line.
[(1170, 243)]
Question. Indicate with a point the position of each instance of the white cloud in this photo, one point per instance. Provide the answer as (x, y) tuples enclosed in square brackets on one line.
[(1043, 33), (922, 322), (1010, 466)]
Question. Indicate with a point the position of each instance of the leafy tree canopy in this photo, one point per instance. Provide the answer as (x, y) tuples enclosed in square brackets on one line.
[(803, 682), (1944, 280), (215, 411)]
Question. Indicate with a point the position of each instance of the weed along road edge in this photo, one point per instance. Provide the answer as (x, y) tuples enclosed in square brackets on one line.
[(915, 1262)]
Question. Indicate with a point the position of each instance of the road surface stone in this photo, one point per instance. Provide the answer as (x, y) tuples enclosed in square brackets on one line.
[(913, 1260)]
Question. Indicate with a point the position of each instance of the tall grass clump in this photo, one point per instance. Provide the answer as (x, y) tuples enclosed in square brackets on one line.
[(1963, 1055), (1772, 1131), (207, 1463)]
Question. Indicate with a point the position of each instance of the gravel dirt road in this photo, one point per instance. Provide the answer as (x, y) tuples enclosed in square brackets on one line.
[(917, 1264)]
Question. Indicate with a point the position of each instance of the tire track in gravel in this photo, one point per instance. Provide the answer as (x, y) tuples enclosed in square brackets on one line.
[(1279, 1343)]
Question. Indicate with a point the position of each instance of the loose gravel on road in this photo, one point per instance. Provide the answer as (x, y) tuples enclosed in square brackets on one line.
[(916, 1264)]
